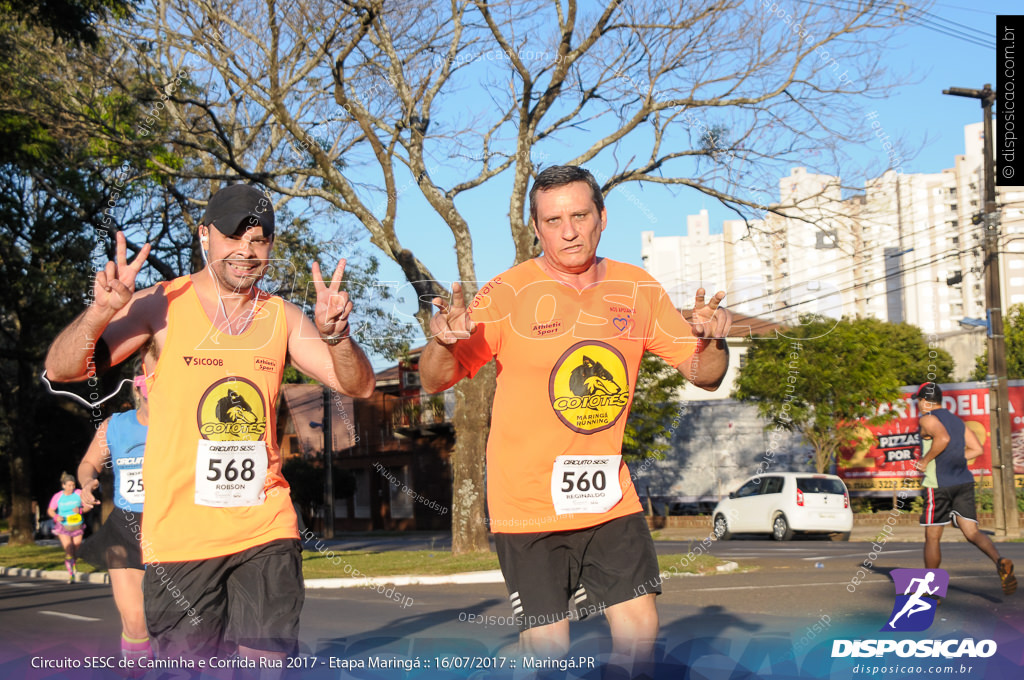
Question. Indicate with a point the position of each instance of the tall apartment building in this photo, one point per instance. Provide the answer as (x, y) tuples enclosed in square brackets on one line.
[(905, 249)]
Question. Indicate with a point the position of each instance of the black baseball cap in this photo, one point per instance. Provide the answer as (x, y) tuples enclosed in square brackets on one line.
[(239, 204), (930, 392)]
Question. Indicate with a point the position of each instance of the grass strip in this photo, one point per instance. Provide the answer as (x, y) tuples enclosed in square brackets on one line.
[(45, 557)]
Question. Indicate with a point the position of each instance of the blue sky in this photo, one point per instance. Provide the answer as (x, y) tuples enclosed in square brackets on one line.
[(918, 112)]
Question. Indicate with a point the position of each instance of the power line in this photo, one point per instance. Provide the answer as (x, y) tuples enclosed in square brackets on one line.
[(924, 19)]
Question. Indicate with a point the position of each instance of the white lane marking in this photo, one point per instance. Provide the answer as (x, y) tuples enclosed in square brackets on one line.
[(73, 617), (772, 550), (794, 585), (22, 584), (804, 585), (860, 554)]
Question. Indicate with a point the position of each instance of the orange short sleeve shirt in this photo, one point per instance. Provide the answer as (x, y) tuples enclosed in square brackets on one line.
[(567, 366)]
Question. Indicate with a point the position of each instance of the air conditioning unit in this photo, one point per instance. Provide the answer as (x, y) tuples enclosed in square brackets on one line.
[(410, 379)]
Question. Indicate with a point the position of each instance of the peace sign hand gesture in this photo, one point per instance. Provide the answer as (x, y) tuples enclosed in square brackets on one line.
[(333, 305), (708, 320), (115, 283), (451, 323)]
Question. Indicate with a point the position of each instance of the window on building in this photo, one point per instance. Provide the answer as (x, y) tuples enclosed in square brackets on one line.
[(361, 506), (826, 239)]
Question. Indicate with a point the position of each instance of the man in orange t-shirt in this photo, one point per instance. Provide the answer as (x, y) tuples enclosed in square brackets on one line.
[(569, 330), (219, 532)]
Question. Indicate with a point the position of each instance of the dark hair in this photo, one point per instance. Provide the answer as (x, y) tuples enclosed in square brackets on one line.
[(559, 176), (930, 392)]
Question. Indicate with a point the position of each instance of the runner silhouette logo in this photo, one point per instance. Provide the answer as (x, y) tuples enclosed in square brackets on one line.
[(917, 593)]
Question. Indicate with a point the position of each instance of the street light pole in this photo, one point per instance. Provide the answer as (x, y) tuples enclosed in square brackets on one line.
[(1004, 494)]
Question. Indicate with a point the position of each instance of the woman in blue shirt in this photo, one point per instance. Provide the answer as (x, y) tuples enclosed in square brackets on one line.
[(119, 444)]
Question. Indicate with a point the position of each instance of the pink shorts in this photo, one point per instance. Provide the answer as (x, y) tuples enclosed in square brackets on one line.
[(61, 530)]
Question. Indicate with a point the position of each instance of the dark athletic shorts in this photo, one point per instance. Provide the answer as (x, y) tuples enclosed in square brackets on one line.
[(949, 504), (596, 567), (204, 608), (116, 544)]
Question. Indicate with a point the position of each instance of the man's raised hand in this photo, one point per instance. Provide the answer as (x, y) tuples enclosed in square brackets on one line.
[(708, 320), (115, 283), (451, 323), (333, 305)]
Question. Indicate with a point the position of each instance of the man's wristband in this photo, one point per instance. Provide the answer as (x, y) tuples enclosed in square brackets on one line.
[(333, 340)]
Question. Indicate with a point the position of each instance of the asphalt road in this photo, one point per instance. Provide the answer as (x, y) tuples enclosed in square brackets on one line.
[(775, 621)]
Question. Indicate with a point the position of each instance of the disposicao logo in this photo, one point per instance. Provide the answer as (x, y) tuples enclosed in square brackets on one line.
[(916, 593)]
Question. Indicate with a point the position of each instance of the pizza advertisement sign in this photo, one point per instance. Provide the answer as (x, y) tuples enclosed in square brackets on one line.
[(882, 457)]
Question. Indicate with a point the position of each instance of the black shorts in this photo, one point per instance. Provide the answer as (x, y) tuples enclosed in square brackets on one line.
[(204, 608), (949, 504), (116, 544), (596, 567)]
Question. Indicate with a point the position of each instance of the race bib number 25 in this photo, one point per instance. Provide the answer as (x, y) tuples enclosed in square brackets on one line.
[(585, 484), (131, 486)]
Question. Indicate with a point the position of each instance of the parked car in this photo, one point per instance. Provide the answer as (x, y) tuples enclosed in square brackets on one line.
[(785, 503)]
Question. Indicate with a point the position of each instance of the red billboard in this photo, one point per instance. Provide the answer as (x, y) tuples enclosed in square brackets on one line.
[(882, 457)]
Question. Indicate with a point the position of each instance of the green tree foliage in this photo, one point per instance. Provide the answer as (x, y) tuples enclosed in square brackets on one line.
[(45, 253), (821, 377), (1013, 330), (654, 405), (51, 200), (68, 20)]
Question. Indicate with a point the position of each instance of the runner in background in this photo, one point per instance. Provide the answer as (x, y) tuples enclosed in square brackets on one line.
[(948, 446), (119, 444), (66, 510)]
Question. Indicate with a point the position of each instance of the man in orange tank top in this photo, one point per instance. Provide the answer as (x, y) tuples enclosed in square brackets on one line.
[(219, 533), (569, 330)]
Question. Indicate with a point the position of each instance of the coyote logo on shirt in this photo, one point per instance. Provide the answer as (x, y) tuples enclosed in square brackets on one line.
[(590, 377), (232, 409), (589, 387)]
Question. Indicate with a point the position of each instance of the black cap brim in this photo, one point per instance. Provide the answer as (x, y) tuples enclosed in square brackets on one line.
[(240, 205)]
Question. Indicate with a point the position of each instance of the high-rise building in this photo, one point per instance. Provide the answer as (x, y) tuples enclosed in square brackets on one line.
[(908, 248)]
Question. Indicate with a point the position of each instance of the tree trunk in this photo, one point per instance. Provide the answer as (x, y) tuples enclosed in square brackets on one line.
[(473, 399), (23, 529)]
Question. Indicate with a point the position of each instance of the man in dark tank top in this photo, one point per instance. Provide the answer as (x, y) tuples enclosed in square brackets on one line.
[(948, 483)]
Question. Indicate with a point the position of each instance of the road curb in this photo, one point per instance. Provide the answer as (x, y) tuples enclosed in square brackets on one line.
[(468, 577), (464, 578), (96, 578)]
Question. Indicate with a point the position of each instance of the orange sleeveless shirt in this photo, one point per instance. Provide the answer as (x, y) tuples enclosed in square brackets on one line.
[(210, 392)]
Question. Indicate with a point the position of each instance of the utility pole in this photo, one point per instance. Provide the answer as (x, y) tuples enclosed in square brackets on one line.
[(328, 467), (1004, 494)]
